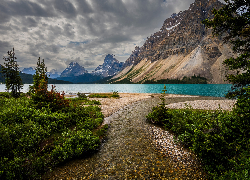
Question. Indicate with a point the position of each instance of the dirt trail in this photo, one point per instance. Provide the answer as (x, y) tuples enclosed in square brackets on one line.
[(128, 151)]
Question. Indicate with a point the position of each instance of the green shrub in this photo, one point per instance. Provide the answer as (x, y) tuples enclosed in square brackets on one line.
[(81, 96), (98, 96), (216, 137), (33, 140), (115, 94), (219, 138)]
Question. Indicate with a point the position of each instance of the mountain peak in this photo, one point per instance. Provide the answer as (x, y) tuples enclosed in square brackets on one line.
[(110, 66), (74, 69)]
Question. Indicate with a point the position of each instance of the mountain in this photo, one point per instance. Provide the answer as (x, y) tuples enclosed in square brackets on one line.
[(110, 67), (77, 74), (29, 70), (2, 79), (86, 78), (182, 48), (74, 69), (53, 74)]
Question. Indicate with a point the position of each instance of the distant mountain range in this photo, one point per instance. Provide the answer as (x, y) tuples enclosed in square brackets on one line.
[(29, 70), (76, 73), (182, 49), (51, 74), (28, 78)]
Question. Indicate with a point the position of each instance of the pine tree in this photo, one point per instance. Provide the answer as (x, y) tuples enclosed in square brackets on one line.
[(233, 22), (10, 70), (40, 83)]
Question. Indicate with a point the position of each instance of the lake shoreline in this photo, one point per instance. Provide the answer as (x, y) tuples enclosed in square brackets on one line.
[(215, 90), (112, 105)]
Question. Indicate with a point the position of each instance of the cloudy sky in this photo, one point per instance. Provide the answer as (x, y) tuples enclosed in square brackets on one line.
[(62, 31)]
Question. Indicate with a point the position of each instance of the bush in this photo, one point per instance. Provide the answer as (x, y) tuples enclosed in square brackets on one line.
[(33, 140), (219, 138), (216, 137), (81, 96), (115, 94)]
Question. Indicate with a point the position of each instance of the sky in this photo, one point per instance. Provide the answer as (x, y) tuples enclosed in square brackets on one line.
[(85, 31)]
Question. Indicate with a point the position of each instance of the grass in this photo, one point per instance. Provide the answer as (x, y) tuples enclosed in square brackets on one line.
[(105, 95)]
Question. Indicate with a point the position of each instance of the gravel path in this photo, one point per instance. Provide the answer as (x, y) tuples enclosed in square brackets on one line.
[(205, 104), (135, 149)]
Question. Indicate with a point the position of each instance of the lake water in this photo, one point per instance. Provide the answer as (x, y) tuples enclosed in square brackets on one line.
[(217, 90)]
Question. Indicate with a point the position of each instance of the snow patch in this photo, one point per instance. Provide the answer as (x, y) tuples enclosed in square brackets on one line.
[(172, 27)]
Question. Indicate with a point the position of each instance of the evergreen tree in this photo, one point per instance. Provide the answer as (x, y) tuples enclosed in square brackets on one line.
[(10, 70), (233, 23), (41, 78), (40, 82)]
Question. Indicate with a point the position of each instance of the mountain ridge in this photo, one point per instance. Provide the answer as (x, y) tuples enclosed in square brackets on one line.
[(182, 47)]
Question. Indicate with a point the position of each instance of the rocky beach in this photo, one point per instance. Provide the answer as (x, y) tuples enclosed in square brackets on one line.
[(134, 148)]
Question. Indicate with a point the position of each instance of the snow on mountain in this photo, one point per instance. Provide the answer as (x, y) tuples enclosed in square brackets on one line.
[(74, 69), (110, 67)]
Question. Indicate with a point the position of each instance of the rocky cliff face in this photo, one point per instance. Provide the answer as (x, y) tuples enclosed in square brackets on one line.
[(182, 47), (74, 69), (110, 67)]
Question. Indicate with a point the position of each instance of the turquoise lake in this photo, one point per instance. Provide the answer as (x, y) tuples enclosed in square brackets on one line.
[(216, 90)]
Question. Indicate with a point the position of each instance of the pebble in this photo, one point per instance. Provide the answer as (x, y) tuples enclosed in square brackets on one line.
[(167, 144), (204, 104), (134, 149)]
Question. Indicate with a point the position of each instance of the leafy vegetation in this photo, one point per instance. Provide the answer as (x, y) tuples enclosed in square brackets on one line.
[(40, 94), (232, 21), (82, 99), (185, 80), (115, 94), (215, 136), (82, 79), (219, 138), (42, 131), (33, 140), (10, 71)]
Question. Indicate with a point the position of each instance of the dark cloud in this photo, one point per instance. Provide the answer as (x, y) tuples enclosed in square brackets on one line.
[(62, 31), (65, 8), (5, 17), (68, 30), (87, 63), (114, 38), (5, 29), (5, 46), (53, 48), (83, 7), (54, 31), (29, 22), (25, 8)]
